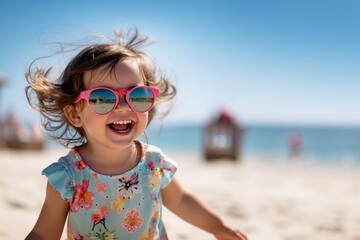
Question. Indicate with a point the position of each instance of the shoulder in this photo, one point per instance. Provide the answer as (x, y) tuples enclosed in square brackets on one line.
[(155, 157), (61, 174), (151, 149), (161, 168), (154, 153), (64, 163)]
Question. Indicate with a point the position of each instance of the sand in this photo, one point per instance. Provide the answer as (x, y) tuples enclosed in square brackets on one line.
[(268, 201)]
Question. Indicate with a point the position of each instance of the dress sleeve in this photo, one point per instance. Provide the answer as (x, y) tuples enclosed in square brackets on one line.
[(168, 169), (60, 178)]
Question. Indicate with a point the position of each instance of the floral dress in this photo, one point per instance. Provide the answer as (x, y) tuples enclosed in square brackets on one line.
[(122, 207)]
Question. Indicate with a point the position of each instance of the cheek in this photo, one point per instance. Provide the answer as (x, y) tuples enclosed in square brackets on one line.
[(90, 121), (94, 127), (143, 119)]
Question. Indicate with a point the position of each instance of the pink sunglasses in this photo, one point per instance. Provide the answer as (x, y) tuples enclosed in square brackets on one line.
[(104, 100)]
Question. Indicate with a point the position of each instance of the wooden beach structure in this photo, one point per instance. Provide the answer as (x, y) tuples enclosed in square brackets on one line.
[(222, 138)]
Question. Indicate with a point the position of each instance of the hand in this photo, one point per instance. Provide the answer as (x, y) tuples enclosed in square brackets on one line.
[(227, 233)]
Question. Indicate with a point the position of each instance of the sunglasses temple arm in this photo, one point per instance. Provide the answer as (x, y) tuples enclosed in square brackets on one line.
[(156, 91), (81, 96)]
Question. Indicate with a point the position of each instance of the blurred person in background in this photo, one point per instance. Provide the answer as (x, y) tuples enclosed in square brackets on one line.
[(295, 145)]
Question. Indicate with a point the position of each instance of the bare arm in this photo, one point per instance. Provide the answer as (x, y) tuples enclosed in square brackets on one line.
[(188, 207), (50, 223)]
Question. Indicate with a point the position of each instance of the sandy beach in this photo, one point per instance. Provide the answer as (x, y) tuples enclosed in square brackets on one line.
[(265, 200)]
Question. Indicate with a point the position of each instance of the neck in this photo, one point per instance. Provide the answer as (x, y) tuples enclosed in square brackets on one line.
[(110, 161)]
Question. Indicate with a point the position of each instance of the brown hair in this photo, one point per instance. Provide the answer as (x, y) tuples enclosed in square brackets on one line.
[(52, 97)]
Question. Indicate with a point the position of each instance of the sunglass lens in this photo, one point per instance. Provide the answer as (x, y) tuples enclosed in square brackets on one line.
[(102, 101), (141, 99)]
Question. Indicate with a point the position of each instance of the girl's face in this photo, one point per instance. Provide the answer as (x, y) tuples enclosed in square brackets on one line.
[(118, 129)]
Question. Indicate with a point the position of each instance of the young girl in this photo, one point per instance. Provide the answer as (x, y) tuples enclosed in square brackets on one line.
[(110, 185)]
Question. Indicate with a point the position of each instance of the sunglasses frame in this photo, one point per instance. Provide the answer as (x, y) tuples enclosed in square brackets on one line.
[(122, 91)]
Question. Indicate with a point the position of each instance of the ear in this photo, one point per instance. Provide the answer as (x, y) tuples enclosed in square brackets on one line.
[(72, 115)]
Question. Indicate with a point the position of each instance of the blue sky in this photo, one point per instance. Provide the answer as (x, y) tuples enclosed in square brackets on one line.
[(295, 62)]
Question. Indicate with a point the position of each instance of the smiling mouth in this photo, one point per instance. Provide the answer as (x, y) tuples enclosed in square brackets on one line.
[(122, 126)]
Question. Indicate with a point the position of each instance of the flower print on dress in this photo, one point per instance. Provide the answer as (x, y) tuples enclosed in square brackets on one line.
[(95, 175), (80, 165), (129, 186), (82, 197), (77, 236), (151, 232), (99, 216), (118, 203), (149, 235), (151, 165), (74, 235), (102, 235), (132, 220), (155, 177), (75, 151), (166, 166), (101, 187), (155, 217)]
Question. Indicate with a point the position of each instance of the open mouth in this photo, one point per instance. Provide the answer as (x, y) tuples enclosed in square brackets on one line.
[(122, 126)]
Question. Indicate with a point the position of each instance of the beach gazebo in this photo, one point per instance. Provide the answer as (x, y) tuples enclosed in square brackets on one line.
[(222, 137)]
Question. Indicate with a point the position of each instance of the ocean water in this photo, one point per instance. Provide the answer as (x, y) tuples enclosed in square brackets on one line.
[(320, 144), (339, 146)]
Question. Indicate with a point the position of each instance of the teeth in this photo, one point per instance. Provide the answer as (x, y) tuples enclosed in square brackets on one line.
[(123, 122)]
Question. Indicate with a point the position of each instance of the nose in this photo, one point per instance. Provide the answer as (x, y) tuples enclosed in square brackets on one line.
[(122, 105)]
